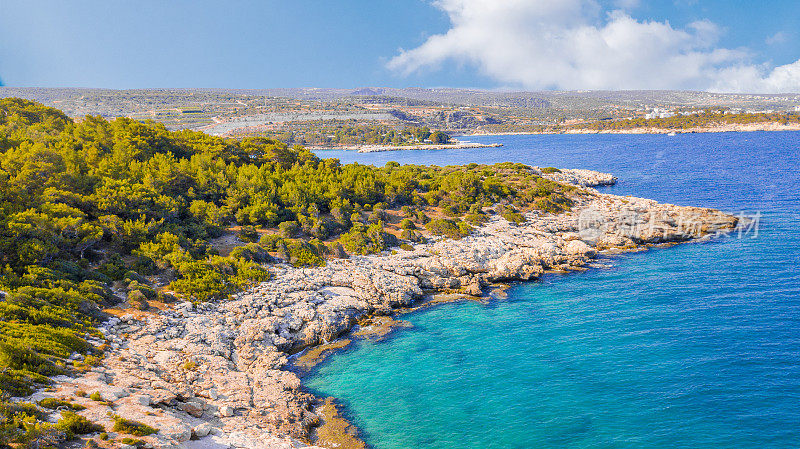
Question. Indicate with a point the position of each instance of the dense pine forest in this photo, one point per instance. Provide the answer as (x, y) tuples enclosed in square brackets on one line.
[(92, 210)]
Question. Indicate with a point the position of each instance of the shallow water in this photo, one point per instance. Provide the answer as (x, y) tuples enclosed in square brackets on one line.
[(692, 346)]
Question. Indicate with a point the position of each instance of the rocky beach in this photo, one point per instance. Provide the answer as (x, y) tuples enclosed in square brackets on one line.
[(222, 374)]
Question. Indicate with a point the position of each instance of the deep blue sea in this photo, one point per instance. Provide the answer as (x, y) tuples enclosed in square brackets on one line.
[(693, 346)]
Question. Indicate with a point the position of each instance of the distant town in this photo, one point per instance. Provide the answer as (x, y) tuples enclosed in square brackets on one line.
[(385, 116)]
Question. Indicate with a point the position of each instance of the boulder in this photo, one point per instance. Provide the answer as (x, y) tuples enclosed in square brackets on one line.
[(579, 248), (143, 399), (193, 407), (201, 430), (111, 393)]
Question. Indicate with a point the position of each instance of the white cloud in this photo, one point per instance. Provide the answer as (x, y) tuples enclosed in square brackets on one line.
[(574, 44), (777, 38)]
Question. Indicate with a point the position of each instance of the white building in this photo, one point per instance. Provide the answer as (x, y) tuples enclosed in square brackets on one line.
[(659, 113)]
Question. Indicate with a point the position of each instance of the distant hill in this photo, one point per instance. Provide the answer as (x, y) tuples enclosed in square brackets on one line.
[(449, 109)]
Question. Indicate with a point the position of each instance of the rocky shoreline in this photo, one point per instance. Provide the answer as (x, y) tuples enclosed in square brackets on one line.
[(219, 375), (382, 148), (724, 128)]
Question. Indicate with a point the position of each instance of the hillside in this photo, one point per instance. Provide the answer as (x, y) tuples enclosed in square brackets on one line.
[(101, 215), (296, 113)]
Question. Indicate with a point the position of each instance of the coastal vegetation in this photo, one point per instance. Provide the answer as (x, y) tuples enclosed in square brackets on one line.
[(354, 133), (698, 120), (130, 427), (96, 212), (684, 120)]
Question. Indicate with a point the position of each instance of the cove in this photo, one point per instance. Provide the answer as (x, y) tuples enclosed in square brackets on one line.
[(695, 345)]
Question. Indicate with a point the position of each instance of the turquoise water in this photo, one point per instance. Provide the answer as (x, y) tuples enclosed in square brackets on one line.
[(694, 346)]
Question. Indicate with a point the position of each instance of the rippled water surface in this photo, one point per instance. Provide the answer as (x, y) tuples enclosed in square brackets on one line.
[(694, 346)]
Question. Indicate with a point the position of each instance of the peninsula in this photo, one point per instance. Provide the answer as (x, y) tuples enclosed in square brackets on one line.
[(224, 370), (132, 314)]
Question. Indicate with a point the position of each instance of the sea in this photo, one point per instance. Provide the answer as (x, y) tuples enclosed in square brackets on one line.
[(691, 346)]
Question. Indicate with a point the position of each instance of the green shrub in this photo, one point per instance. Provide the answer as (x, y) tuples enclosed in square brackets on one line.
[(550, 170), (355, 217), (302, 254), (96, 396), (341, 216), (412, 236), (138, 299), (476, 219), (114, 267), (407, 224), (251, 252), (451, 210), (8, 410), (103, 436), (18, 382), (554, 203), (53, 403), (513, 217), (289, 229), (270, 241), (377, 215), (454, 229), (367, 239), (29, 433), (131, 427), (75, 424), (134, 276), (132, 442), (217, 277), (248, 234), (148, 292), (17, 356)]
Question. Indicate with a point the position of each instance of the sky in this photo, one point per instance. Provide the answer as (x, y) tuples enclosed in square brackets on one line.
[(714, 45)]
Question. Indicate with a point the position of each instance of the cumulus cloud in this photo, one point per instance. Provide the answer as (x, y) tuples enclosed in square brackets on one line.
[(778, 38), (575, 44)]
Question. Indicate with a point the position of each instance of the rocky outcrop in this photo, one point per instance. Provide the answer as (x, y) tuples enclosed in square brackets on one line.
[(579, 177), (219, 371)]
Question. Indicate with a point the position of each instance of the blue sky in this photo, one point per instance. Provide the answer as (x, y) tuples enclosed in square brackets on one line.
[(352, 43)]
